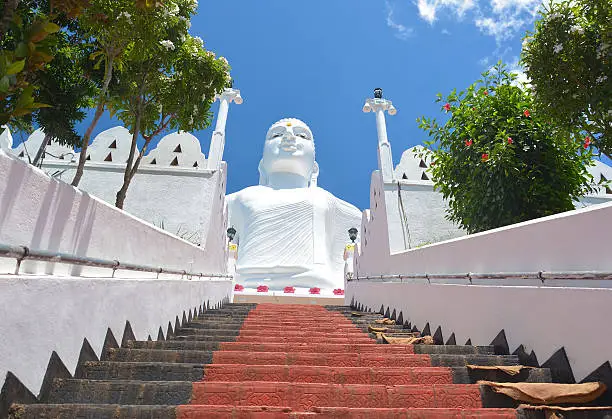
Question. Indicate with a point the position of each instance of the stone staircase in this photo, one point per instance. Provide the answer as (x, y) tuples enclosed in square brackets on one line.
[(273, 361)]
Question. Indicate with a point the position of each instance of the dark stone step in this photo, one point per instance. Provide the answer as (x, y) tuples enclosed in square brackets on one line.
[(178, 345), (142, 371), (159, 355), (91, 411), (203, 338), (182, 331), (120, 392), (214, 325), (590, 413), (463, 375), (453, 349), (439, 360)]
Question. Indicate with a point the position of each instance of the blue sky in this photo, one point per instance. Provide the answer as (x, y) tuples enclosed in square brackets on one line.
[(318, 60)]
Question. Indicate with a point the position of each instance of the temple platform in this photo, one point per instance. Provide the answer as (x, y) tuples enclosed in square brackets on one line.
[(279, 297)]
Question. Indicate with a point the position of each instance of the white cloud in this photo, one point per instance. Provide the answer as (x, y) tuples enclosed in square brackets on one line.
[(502, 19), (429, 8), (401, 32), (521, 78)]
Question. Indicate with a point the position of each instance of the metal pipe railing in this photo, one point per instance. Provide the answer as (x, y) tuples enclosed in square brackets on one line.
[(470, 276), (21, 253)]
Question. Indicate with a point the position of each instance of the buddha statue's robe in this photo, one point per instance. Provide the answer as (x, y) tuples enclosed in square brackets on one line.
[(291, 237)]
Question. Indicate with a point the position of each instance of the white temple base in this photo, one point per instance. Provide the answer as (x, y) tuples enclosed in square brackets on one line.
[(279, 297)]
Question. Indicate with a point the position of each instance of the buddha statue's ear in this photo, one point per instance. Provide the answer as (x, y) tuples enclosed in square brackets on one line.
[(263, 176), (314, 175)]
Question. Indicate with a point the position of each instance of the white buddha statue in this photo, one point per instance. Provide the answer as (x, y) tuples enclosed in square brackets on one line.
[(289, 231)]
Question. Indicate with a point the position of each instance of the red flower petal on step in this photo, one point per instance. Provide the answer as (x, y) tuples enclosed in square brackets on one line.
[(338, 291), (315, 290), (238, 287), (262, 288), (289, 290)]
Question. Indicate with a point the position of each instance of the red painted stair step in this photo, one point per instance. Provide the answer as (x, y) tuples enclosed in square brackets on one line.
[(303, 339), (306, 396), (307, 332), (326, 374), (316, 347), (322, 359), (272, 412)]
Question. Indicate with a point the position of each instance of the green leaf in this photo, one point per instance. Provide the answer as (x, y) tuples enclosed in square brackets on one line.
[(51, 27), (4, 84), (15, 67)]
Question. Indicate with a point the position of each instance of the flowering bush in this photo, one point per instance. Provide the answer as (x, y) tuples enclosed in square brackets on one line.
[(262, 288), (568, 58), (238, 287), (497, 161), (289, 290), (338, 291), (315, 290)]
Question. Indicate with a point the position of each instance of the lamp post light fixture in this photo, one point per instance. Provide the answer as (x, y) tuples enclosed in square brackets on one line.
[(231, 233), (353, 234), (378, 105)]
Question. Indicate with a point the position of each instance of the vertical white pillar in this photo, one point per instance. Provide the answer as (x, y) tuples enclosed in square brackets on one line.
[(217, 142), (378, 105)]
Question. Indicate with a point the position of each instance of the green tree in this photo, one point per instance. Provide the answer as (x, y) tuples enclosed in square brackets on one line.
[(568, 58), (108, 24), (497, 161), (169, 81), (69, 83), (28, 41)]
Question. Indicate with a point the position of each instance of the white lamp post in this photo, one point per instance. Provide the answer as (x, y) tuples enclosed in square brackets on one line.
[(217, 142), (379, 105)]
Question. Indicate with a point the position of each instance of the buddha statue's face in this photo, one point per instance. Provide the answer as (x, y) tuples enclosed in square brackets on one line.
[(289, 148)]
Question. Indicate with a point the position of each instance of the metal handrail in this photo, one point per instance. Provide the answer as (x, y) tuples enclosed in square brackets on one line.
[(541, 276), (21, 253)]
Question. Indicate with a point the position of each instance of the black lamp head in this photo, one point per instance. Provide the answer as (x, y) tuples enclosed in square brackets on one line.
[(231, 233), (353, 234), (378, 93)]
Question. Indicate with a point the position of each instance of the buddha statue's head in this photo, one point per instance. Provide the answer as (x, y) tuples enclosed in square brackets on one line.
[(288, 156)]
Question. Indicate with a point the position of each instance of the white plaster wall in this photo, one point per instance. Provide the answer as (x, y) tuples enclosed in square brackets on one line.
[(177, 199), (100, 149), (44, 213), (44, 314), (544, 244), (54, 151), (541, 318), (425, 211), (182, 146)]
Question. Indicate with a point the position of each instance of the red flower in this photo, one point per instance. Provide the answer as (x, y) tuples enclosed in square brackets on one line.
[(238, 287), (447, 107), (485, 157), (474, 108), (315, 290), (526, 113), (432, 164), (587, 142), (486, 93), (510, 140), (289, 290), (262, 288), (469, 142), (338, 291)]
